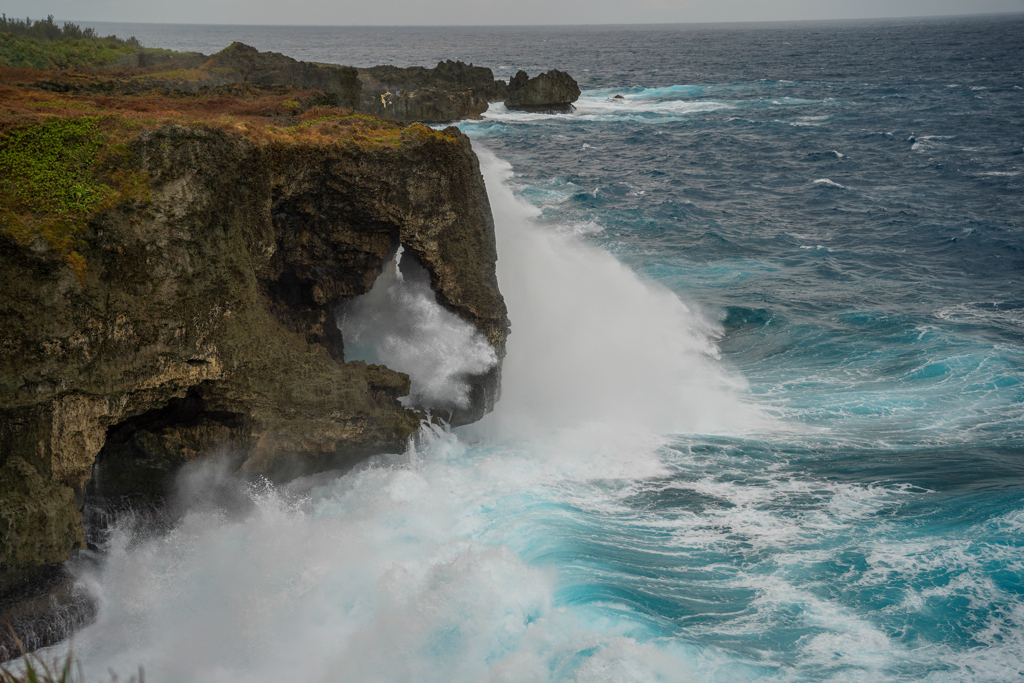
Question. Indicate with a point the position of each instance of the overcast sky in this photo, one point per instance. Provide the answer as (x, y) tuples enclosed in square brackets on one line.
[(488, 12)]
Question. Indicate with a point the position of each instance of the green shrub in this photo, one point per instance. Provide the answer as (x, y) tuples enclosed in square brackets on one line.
[(32, 53), (46, 168), (47, 29), (53, 176)]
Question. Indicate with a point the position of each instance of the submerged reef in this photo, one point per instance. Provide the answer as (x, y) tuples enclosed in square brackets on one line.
[(173, 262)]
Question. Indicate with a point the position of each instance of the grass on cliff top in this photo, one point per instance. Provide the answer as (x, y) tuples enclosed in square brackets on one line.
[(64, 158), (32, 53), (43, 44), (51, 181)]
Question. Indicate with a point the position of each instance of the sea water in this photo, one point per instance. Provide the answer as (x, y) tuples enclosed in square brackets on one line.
[(763, 405)]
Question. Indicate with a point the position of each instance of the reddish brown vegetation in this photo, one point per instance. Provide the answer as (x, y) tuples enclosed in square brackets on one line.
[(261, 114)]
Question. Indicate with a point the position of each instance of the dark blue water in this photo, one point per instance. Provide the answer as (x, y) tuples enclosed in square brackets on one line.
[(816, 350)]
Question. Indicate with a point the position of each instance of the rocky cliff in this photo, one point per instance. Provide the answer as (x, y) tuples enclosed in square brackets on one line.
[(451, 90), (175, 298)]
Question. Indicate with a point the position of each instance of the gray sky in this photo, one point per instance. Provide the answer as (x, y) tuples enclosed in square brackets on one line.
[(488, 12)]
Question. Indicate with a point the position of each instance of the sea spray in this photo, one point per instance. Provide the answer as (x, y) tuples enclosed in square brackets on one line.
[(411, 568), (592, 342), (435, 564), (399, 323)]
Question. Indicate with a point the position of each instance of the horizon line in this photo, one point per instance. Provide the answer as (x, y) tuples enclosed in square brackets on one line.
[(919, 17)]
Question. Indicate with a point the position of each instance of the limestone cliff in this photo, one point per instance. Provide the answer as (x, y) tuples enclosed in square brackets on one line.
[(232, 70), (195, 315)]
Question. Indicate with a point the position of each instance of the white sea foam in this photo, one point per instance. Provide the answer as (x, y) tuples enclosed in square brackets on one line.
[(593, 342), (412, 567), (590, 108), (399, 323), (581, 228), (403, 570)]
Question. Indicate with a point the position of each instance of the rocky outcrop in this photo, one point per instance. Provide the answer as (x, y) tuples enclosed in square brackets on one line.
[(454, 90), (237, 70), (551, 91), (240, 63), (202, 321), (451, 90)]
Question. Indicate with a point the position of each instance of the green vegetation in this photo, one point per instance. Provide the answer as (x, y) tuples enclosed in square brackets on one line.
[(53, 176), (43, 44), (39, 673), (31, 53), (46, 167), (47, 29)]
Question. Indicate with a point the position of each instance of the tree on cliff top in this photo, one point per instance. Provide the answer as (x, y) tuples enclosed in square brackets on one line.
[(47, 29)]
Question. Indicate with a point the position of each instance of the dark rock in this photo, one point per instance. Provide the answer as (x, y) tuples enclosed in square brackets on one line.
[(450, 91), (240, 62), (43, 612), (551, 91)]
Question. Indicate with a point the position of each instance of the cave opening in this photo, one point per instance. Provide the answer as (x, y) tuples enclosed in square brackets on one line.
[(136, 467)]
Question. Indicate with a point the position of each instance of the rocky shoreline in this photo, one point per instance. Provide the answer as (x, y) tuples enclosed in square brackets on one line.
[(447, 92), (171, 280)]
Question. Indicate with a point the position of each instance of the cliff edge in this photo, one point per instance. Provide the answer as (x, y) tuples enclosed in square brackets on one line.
[(172, 267)]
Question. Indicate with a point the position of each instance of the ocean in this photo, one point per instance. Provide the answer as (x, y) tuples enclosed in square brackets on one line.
[(763, 406)]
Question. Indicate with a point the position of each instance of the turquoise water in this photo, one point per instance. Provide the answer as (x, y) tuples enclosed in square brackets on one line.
[(763, 409)]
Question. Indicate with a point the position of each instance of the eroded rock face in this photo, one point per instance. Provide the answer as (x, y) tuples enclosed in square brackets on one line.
[(205, 321), (551, 91), (451, 90), (241, 63)]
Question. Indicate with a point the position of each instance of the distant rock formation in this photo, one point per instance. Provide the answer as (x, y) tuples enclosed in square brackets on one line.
[(551, 91), (450, 91), (241, 63)]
